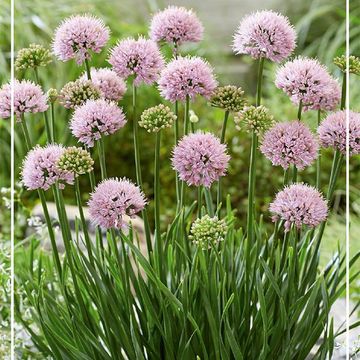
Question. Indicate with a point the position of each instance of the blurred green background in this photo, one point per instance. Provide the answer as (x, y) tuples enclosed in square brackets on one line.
[(321, 33)]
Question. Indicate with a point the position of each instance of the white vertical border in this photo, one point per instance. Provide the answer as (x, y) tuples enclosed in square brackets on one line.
[(347, 230), (12, 187)]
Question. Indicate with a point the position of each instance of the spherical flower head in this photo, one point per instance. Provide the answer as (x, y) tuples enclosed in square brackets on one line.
[(40, 170), (187, 76), (141, 58), (306, 80), (329, 98), (77, 36), (332, 132), (75, 160), (254, 118), (52, 95), (354, 64), (290, 143), (176, 25), (32, 57), (200, 159), (207, 232), (156, 118), (76, 93), (229, 98), (111, 86), (265, 34), (299, 204), (113, 200), (96, 118), (28, 98)]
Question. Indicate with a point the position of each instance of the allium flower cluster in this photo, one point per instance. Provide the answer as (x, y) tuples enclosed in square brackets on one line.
[(76, 93), (176, 25), (141, 58), (299, 204), (332, 132), (290, 143), (187, 76), (52, 95), (207, 232), (354, 64), (111, 86), (306, 80), (229, 98), (28, 98), (200, 159), (265, 34), (113, 200), (77, 36), (32, 57), (94, 119), (40, 169), (75, 160), (156, 118), (254, 118)]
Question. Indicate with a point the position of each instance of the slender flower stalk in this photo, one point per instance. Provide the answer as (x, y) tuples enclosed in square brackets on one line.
[(87, 68), (318, 160), (101, 154), (343, 92), (176, 140)]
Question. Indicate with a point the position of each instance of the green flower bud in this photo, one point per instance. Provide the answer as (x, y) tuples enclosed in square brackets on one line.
[(354, 64), (76, 160), (32, 57), (156, 118), (52, 95), (254, 118), (229, 97), (193, 117), (207, 232)]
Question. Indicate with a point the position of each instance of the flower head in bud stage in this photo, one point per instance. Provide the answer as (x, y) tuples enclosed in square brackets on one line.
[(40, 168), (32, 57), (187, 76), (307, 81), (96, 118), (200, 159), (193, 117), (52, 95), (298, 205), (110, 84), (332, 132), (28, 98), (265, 34), (176, 25), (207, 232), (290, 143), (141, 58), (156, 118), (76, 93), (77, 36), (76, 161), (229, 98), (254, 118), (354, 64), (113, 200)]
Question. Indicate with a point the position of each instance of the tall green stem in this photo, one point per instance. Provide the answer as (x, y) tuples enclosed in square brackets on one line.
[(101, 154), (83, 221), (199, 200), (138, 168), (318, 160), (52, 121), (343, 93), (158, 244), (300, 110), (186, 115), (25, 133), (294, 174), (259, 81), (176, 139), (87, 67)]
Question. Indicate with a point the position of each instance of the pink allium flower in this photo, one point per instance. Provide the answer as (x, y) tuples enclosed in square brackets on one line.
[(40, 169), (290, 143), (141, 58), (332, 132), (200, 159), (306, 80), (187, 76), (176, 25), (112, 200), (94, 119), (299, 204), (77, 36), (111, 86), (28, 98), (265, 34)]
